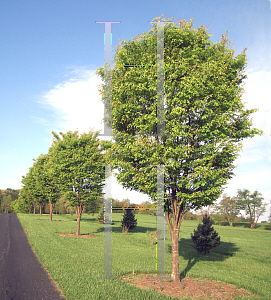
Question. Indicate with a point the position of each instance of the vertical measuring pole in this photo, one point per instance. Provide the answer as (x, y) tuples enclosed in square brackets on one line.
[(160, 214), (160, 251), (107, 132), (160, 217)]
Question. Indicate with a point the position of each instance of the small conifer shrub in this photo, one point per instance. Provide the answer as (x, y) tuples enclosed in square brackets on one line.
[(128, 222), (100, 217), (205, 238)]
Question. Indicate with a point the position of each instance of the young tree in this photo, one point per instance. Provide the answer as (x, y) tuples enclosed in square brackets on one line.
[(33, 189), (228, 206), (128, 221), (23, 203), (205, 238), (252, 204), (205, 118), (45, 181), (76, 163)]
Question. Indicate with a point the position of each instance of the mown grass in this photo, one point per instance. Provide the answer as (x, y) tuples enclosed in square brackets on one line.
[(243, 258)]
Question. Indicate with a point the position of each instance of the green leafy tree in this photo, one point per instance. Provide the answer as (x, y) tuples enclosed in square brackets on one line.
[(252, 205), (95, 205), (23, 203), (219, 217), (205, 119), (128, 221), (5, 204), (33, 189), (228, 206), (205, 238), (62, 206), (45, 181), (75, 166)]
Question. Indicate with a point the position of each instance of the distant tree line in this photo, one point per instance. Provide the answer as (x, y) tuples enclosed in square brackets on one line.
[(7, 196)]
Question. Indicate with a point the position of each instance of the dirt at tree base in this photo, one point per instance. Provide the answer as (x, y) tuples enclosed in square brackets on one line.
[(189, 287)]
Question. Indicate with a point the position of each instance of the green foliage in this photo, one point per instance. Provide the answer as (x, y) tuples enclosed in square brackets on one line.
[(101, 218), (75, 166), (5, 203), (32, 189), (129, 221), (205, 238), (24, 203), (7, 199), (190, 216), (95, 205), (204, 113), (228, 207), (252, 205)]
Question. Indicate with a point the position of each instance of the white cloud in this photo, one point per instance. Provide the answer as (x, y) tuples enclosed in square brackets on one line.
[(76, 102)]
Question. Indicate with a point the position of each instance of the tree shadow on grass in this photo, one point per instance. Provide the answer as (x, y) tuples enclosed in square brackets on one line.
[(138, 229), (186, 250), (241, 224)]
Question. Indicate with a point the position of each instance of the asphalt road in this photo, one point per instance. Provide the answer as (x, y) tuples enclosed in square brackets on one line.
[(22, 276)]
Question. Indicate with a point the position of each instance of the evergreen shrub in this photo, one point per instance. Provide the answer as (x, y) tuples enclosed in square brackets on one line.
[(205, 237)]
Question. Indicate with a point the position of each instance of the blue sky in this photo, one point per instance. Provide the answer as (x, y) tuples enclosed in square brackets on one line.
[(49, 51)]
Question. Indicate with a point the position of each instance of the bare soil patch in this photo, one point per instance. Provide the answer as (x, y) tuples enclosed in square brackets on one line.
[(189, 287), (81, 235)]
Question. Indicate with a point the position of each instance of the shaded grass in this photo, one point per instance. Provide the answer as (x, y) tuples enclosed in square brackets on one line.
[(243, 258)]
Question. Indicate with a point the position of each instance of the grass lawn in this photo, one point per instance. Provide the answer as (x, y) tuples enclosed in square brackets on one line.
[(243, 257)]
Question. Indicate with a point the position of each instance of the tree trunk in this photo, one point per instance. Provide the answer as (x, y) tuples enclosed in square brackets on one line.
[(79, 211), (177, 216), (252, 225), (40, 208), (29, 209), (175, 254), (78, 224), (51, 211), (229, 220)]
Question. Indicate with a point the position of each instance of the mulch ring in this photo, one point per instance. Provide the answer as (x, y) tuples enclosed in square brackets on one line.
[(189, 287), (81, 235)]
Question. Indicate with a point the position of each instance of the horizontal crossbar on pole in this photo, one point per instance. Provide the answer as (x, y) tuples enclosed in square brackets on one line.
[(136, 65)]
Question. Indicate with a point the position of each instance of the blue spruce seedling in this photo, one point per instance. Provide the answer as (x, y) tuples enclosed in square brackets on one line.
[(205, 238)]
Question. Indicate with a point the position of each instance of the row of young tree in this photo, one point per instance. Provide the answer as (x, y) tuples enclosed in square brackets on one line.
[(205, 122)]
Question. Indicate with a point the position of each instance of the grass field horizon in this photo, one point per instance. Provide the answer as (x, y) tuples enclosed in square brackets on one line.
[(243, 257)]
